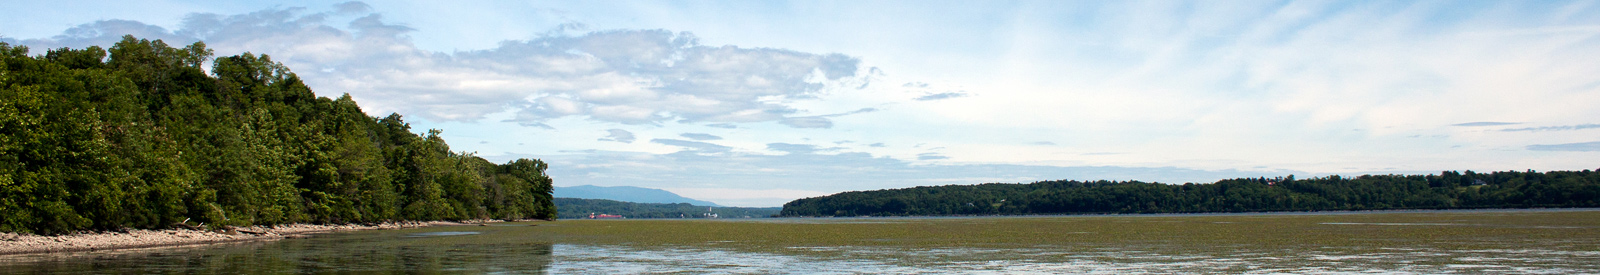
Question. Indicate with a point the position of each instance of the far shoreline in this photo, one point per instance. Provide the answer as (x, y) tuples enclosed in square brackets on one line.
[(1181, 214)]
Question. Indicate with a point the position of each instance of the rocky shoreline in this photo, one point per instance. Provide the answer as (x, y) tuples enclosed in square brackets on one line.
[(14, 243)]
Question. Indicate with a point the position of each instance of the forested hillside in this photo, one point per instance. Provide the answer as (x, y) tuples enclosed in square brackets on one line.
[(575, 208), (1447, 190), (139, 136)]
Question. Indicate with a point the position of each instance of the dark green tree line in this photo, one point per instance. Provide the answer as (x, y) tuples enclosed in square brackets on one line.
[(1446, 190), (139, 136)]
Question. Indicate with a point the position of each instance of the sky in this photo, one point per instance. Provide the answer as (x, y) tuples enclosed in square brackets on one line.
[(756, 103)]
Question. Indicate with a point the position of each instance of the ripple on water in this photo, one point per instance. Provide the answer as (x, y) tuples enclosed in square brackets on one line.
[(442, 233), (887, 260)]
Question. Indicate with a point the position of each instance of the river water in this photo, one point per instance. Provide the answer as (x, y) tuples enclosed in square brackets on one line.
[(1468, 242)]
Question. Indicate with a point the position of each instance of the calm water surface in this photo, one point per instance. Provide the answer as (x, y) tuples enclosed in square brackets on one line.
[(1429, 242)]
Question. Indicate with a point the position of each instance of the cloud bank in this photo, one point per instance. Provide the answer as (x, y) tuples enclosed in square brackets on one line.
[(621, 76)]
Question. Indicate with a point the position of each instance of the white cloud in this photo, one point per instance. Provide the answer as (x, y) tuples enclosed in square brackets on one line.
[(621, 76), (104, 33)]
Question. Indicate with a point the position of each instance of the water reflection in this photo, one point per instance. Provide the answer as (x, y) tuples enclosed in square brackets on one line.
[(1108, 260), (458, 252), (357, 252), (442, 233), (1520, 242)]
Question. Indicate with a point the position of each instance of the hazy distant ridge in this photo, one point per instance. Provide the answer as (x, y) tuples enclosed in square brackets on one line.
[(625, 193), (575, 208)]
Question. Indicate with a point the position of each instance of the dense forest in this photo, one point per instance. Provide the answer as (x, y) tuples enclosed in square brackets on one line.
[(575, 208), (139, 136), (1447, 190)]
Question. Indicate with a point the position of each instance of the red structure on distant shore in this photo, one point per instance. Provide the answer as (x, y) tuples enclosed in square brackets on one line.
[(604, 216)]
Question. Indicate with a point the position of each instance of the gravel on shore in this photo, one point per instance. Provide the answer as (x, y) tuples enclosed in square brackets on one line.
[(14, 243)]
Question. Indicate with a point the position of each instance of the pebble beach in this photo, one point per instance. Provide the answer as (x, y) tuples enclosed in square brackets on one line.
[(15, 243)]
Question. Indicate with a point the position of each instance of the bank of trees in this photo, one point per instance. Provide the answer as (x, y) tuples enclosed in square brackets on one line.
[(575, 208), (139, 136), (1447, 190)]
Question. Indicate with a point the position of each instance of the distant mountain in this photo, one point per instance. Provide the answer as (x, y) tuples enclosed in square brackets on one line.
[(625, 193), (575, 208)]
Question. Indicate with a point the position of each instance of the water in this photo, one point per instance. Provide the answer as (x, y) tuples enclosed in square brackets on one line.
[(1467, 242), (602, 259), (398, 250)]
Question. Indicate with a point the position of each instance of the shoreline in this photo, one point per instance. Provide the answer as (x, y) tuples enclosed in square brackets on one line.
[(22, 244), (1295, 212)]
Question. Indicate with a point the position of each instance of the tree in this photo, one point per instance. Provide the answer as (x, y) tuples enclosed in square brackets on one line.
[(139, 136)]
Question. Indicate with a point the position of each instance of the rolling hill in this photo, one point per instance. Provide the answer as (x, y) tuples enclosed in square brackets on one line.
[(625, 193)]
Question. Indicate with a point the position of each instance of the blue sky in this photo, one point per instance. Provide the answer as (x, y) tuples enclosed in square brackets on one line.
[(754, 103)]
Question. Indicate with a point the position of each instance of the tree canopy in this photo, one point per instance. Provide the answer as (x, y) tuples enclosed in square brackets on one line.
[(1446, 190), (139, 136)]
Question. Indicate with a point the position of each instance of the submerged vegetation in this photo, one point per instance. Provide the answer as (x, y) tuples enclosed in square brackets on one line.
[(575, 208), (1467, 229), (1447, 190), (139, 136)]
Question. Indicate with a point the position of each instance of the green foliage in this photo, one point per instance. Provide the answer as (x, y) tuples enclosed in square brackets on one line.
[(140, 137), (1447, 190)]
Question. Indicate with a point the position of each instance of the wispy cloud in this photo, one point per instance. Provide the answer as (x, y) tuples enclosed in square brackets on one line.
[(938, 96), (352, 7), (807, 122), (694, 146), (792, 148), (1554, 128), (820, 121), (1484, 123), (700, 136), (105, 33), (618, 135), (1568, 147)]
